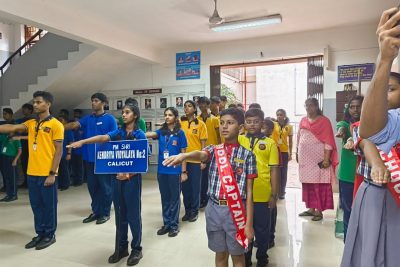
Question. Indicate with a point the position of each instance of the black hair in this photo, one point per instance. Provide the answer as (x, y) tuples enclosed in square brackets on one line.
[(27, 106), (193, 104), (232, 105), (164, 128), (100, 96), (396, 76), (136, 111), (284, 112), (240, 105), (346, 116), (223, 98), (254, 112), (269, 124), (215, 99), (132, 101), (78, 110), (8, 111), (237, 114), (204, 100), (254, 105), (65, 111), (48, 97), (315, 102)]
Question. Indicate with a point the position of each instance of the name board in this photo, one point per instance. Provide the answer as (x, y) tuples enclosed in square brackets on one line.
[(351, 73), (147, 91), (128, 156), (188, 65)]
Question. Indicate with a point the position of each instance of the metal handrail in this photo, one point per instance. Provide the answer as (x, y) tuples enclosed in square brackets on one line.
[(19, 51)]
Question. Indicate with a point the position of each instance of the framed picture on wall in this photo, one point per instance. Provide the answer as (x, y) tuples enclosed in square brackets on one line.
[(148, 102), (163, 102), (178, 100)]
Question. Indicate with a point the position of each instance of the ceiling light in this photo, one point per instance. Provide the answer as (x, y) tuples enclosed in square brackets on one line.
[(247, 23)]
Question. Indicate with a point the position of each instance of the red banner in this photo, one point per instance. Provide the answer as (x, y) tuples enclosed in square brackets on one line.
[(231, 191), (392, 163)]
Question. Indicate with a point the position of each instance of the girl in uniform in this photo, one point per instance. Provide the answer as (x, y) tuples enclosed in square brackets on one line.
[(171, 141), (127, 190)]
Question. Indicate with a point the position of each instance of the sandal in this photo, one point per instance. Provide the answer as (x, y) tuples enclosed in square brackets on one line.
[(306, 213), (317, 217)]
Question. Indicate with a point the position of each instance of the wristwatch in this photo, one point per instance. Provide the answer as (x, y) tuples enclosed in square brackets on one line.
[(184, 172), (274, 196), (52, 173)]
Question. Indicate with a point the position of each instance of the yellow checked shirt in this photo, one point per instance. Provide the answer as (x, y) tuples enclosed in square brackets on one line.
[(195, 132), (42, 154), (267, 155), (280, 136), (212, 124)]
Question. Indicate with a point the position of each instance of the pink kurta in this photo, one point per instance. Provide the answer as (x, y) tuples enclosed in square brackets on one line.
[(310, 153)]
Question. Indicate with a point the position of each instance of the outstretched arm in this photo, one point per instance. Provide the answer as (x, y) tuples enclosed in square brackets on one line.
[(12, 128), (191, 156), (379, 172), (375, 106), (92, 140)]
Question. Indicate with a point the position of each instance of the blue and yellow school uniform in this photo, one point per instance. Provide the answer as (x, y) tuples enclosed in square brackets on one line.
[(128, 204), (267, 155), (99, 185), (9, 150), (169, 178), (195, 131), (43, 199)]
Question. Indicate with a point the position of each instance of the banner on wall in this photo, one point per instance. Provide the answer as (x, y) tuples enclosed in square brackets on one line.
[(122, 157), (350, 73), (188, 65)]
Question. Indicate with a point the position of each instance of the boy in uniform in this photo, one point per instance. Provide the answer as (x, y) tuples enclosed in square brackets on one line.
[(229, 222), (265, 188), (45, 139)]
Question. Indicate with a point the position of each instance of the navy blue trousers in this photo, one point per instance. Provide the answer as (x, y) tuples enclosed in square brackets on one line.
[(100, 190), (43, 201), (127, 197), (63, 174), (274, 214), (261, 224), (346, 202), (76, 169), (170, 190), (204, 185), (283, 173), (9, 175), (191, 189)]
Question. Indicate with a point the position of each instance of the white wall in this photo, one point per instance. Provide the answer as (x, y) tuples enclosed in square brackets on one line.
[(7, 42)]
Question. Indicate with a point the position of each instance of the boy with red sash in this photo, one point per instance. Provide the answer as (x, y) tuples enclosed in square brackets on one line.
[(229, 213)]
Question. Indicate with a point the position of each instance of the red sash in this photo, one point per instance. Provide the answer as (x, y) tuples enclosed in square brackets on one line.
[(392, 163), (231, 191)]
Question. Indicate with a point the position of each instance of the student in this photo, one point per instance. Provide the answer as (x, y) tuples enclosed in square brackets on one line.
[(240, 163), (8, 119), (374, 231), (212, 124), (171, 141), (76, 162), (265, 187), (63, 171), (129, 202), (214, 105), (141, 122), (45, 137), (99, 185), (348, 161), (196, 135), (11, 151), (223, 102)]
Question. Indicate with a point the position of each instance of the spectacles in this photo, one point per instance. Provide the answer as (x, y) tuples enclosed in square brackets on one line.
[(253, 122)]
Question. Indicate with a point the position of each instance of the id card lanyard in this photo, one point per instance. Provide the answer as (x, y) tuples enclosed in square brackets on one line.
[(37, 128), (167, 140)]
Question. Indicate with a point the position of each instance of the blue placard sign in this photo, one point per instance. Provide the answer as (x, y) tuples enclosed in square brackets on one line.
[(349, 73), (188, 65), (128, 156)]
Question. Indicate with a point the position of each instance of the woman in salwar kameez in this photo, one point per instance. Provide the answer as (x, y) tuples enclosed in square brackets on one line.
[(317, 158)]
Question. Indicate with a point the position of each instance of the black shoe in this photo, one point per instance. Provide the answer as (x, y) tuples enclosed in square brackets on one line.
[(102, 219), (271, 244), (33, 242), (203, 205), (114, 258), (64, 188), (262, 263), (173, 232), (163, 230), (4, 199), (185, 217), (135, 257), (45, 242), (77, 184), (193, 218), (92, 217), (11, 199)]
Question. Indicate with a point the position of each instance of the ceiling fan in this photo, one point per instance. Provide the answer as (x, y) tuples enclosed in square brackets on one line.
[(218, 24)]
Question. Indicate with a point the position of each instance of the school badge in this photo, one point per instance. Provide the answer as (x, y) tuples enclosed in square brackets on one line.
[(46, 129), (262, 146), (194, 131), (175, 143)]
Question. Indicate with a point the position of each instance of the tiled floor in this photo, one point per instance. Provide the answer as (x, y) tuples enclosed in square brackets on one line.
[(299, 242)]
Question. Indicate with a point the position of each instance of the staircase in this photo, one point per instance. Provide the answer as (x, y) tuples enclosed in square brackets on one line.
[(41, 66)]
